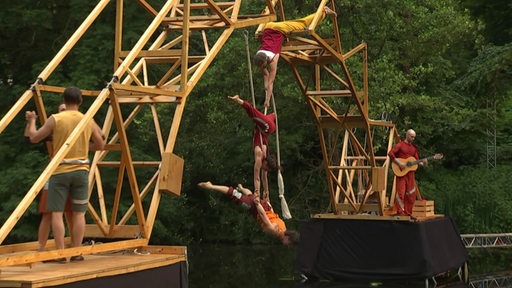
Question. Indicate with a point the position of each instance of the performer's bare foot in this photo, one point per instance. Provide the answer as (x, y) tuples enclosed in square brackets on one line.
[(205, 185), (328, 11), (244, 190), (236, 99)]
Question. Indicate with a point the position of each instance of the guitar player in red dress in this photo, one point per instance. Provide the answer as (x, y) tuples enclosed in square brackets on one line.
[(406, 184)]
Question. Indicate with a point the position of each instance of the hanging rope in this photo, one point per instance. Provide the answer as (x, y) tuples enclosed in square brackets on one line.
[(280, 182), (249, 69)]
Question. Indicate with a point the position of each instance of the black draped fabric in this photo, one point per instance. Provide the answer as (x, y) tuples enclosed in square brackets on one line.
[(336, 249)]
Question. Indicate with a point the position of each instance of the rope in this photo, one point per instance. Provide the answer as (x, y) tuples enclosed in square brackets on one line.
[(249, 69), (246, 35), (280, 182)]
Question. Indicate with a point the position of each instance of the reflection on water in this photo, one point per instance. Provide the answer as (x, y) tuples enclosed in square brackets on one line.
[(220, 266), (264, 266)]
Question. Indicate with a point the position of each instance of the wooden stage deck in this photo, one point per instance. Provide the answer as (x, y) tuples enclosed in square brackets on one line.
[(375, 217), (100, 266)]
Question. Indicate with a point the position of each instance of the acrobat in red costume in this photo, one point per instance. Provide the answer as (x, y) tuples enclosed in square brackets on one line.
[(267, 56), (263, 125)]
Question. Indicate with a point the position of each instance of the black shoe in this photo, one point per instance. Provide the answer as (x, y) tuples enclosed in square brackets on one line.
[(76, 258), (58, 260)]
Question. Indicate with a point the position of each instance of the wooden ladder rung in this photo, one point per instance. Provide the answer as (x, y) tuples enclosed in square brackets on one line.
[(327, 121), (343, 93), (351, 167)]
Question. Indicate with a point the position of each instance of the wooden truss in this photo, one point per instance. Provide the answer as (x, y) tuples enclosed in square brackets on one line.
[(356, 173), (134, 87), (355, 160)]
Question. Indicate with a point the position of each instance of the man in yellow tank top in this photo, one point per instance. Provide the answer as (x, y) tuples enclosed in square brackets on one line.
[(71, 176)]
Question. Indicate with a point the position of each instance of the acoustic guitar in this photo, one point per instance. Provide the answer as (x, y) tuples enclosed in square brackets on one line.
[(411, 164)]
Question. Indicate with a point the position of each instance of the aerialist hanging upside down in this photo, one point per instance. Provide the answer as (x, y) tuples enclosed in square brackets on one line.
[(271, 44), (262, 211), (263, 162)]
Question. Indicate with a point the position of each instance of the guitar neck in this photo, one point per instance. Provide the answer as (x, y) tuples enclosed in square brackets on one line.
[(421, 160)]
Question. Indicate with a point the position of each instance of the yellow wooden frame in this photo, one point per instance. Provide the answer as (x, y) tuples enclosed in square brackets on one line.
[(345, 134), (172, 26)]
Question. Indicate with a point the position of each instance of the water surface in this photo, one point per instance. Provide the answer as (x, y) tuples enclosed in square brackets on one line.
[(264, 266)]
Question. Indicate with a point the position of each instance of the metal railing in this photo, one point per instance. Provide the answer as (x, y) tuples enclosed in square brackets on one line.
[(487, 240), (494, 281)]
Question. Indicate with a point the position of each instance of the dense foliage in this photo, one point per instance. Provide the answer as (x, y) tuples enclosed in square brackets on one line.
[(440, 67)]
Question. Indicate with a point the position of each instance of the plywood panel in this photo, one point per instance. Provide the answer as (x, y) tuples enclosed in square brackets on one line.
[(94, 266)]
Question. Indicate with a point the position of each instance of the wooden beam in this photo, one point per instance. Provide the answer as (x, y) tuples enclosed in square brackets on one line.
[(349, 167), (127, 163), (153, 182), (15, 109), (196, 6), (154, 53), (361, 217), (148, 100), (118, 231), (359, 207), (144, 90), (79, 32), (218, 10), (346, 122), (185, 45), (34, 256), (330, 93), (30, 246), (148, 7)]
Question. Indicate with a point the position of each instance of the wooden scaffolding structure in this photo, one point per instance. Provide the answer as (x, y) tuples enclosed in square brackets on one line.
[(166, 41), (354, 146), (356, 172)]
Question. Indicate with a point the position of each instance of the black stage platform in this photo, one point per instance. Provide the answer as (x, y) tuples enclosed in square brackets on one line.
[(337, 249)]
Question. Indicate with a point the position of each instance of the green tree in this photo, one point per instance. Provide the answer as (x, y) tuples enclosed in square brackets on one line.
[(486, 89), (429, 67), (495, 17)]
